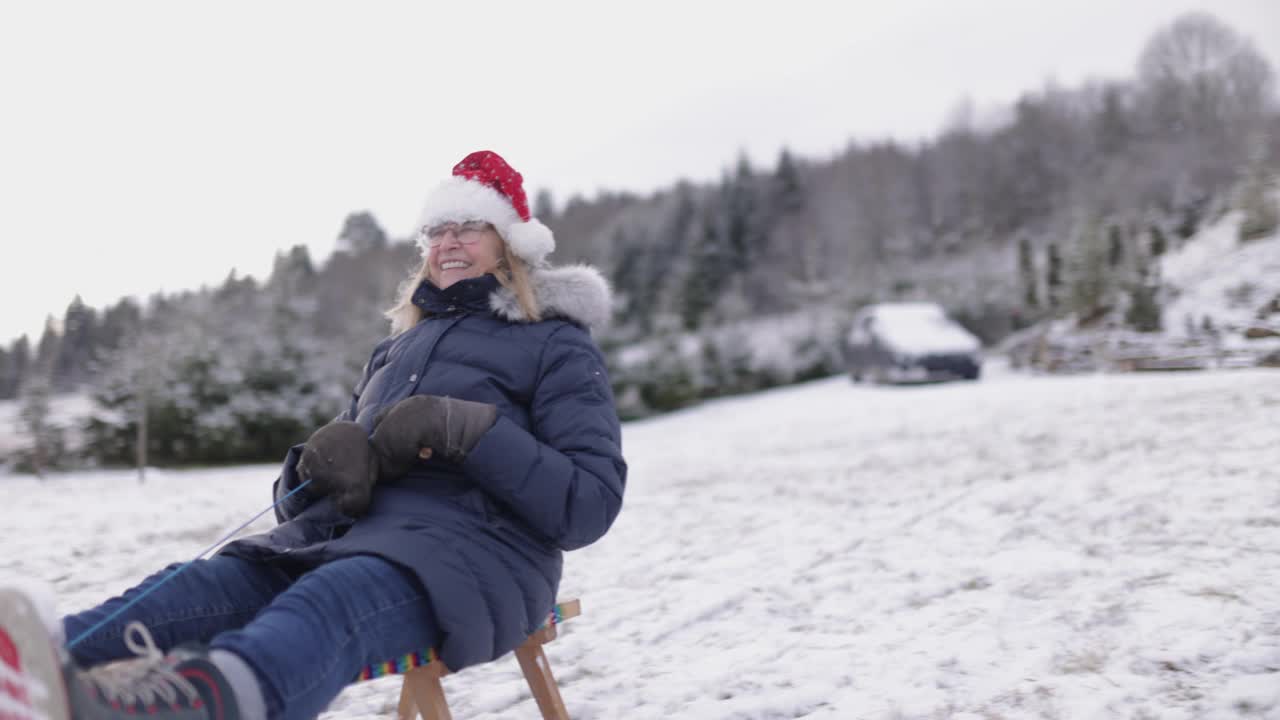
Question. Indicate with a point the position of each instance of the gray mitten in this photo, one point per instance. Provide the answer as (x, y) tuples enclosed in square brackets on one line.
[(449, 427), (339, 462)]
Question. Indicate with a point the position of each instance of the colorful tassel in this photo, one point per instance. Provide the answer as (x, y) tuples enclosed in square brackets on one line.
[(405, 663)]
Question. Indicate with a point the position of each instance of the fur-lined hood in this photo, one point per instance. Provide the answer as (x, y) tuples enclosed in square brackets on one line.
[(575, 292)]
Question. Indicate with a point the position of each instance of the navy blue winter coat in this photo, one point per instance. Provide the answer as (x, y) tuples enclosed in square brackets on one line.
[(484, 537)]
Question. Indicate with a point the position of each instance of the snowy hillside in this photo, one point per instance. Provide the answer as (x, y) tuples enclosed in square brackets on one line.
[(1219, 307), (1231, 283), (1083, 546)]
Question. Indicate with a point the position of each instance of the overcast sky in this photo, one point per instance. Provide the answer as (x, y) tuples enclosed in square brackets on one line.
[(150, 146)]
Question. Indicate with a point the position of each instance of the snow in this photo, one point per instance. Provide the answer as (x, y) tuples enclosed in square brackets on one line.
[(1218, 277), (1199, 258), (1021, 547)]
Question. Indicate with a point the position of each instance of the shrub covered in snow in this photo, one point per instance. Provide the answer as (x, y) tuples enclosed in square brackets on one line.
[(675, 370)]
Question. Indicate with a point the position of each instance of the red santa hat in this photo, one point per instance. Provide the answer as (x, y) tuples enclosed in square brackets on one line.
[(484, 187)]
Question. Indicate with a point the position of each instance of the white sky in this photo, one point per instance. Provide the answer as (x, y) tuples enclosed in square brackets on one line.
[(150, 146)]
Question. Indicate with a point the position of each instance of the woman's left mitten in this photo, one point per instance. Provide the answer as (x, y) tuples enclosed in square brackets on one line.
[(450, 427)]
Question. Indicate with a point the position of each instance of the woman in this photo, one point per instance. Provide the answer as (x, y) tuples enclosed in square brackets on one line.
[(481, 442)]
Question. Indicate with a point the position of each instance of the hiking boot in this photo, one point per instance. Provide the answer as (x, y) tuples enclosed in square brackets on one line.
[(183, 685)]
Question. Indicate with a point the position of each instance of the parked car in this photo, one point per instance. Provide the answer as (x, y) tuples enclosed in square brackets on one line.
[(910, 342)]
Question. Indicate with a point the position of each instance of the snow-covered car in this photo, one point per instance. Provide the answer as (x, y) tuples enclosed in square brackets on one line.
[(910, 342)]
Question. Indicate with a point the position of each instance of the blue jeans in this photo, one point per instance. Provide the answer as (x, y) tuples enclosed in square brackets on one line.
[(306, 636)]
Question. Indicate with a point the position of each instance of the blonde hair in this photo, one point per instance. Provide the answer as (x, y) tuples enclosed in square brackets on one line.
[(512, 273)]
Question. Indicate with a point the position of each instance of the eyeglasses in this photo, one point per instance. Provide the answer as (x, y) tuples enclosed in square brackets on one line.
[(467, 233)]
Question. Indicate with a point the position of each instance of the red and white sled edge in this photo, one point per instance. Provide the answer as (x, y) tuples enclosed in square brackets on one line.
[(31, 684)]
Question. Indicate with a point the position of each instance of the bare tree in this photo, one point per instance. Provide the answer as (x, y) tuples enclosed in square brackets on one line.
[(1203, 73)]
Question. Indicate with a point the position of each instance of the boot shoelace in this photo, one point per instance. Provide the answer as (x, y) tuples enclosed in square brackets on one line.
[(145, 678)]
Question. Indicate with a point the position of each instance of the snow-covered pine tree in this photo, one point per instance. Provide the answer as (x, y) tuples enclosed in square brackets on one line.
[(76, 352), (1259, 203), (18, 360), (45, 440)]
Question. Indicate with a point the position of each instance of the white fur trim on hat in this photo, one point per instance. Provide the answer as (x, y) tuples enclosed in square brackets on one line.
[(460, 200)]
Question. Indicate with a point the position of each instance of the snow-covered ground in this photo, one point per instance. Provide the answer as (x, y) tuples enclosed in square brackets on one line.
[(1092, 546)]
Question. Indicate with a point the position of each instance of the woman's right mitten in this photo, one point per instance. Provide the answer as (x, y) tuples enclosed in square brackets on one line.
[(340, 463)]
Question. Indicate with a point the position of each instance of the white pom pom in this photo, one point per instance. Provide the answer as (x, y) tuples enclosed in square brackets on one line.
[(531, 241)]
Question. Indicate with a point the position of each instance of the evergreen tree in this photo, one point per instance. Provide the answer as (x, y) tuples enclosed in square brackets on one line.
[(711, 264), (746, 222), (1144, 307), (353, 289), (1053, 275), (45, 440), (6, 373), (1113, 126), (1027, 271), (626, 275), (786, 191), (47, 349), (1028, 189), (293, 271), (1258, 202), (15, 375), (670, 381), (544, 207), (361, 233), (1090, 281), (1159, 245), (76, 351), (1115, 247), (660, 260), (681, 222), (119, 321)]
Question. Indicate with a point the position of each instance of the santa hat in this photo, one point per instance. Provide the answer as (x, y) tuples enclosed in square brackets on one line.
[(484, 187)]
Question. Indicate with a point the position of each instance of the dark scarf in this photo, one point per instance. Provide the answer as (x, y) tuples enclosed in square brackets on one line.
[(470, 296)]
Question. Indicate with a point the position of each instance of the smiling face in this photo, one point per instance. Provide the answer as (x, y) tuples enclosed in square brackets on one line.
[(460, 251)]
